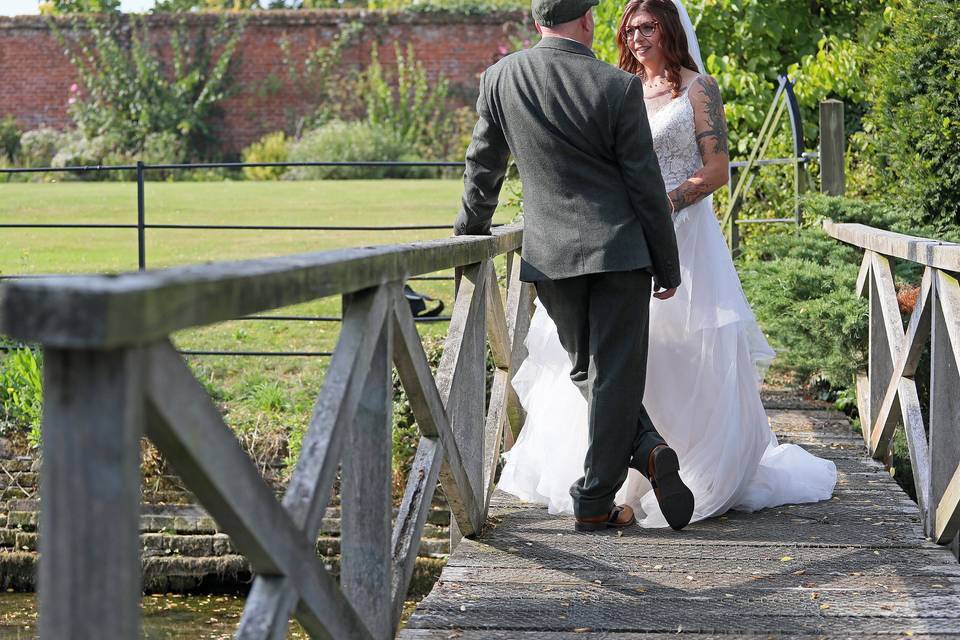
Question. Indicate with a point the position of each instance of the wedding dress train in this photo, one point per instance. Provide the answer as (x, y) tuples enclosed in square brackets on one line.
[(706, 360)]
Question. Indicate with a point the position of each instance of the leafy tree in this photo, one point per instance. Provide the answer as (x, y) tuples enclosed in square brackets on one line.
[(912, 133), (238, 5), (746, 44), (205, 5), (58, 7)]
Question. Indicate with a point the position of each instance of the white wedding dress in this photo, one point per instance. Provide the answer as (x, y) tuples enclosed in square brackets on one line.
[(706, 360)]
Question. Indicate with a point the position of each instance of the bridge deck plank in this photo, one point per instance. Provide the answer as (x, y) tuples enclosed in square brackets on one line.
[(857, 564)]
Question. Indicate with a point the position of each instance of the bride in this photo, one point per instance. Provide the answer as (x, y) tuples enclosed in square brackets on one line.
[(706, 355)]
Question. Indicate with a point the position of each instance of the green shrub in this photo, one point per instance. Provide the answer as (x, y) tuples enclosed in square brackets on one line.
[(321, 77), (408, 105), (351, 142), (126, 88), (913, 125), (10, 137), (77, 150), (888, 215), (801, 288), (270, 148), (21, 392), (463, 7), (39, 146), (163, 147)]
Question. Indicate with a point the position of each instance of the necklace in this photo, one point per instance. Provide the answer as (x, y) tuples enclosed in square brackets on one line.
[(655, 85)]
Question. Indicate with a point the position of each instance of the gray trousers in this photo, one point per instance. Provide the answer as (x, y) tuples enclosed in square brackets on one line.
[(603, 323)]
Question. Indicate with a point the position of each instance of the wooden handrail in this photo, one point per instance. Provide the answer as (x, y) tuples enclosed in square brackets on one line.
[(887, 395), (111, 376), (94, 311), (925, 251)]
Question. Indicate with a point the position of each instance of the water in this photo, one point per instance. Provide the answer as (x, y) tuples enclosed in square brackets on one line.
[(164, 617)]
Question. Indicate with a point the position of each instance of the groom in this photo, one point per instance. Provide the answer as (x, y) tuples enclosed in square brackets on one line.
[(597, 229)]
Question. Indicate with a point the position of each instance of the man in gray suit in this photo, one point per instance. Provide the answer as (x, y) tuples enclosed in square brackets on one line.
[(597, 229)]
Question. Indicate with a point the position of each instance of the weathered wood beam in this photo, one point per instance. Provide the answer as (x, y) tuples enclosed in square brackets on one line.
[(518, 313), (909, 349), (411, 518), (430, 407), (912, 418), (886, 334), (140, 308), (366, 560), (497, 332), (832, 144), (493, 431), (188, 430), (945, 406), (272, 599), (89, 578), (925, 251), (863, 276), (863, 406), (461, 379), (948, 512), (948, 296)]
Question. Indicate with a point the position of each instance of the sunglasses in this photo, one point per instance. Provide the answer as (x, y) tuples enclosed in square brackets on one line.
[(647, 29)]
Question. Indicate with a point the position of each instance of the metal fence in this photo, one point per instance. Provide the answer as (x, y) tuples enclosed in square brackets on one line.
[(141, 225), (741, 176)]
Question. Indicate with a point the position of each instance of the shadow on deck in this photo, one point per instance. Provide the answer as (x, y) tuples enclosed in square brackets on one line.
[(854, 566)]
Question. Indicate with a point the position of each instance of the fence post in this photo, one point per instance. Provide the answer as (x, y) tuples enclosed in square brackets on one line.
[(366, 564), (734, 230), (141, 221), (944, 399), (89, 578), (832, 144)]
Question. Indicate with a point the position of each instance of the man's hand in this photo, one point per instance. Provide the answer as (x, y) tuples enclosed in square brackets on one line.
[(663, 294)]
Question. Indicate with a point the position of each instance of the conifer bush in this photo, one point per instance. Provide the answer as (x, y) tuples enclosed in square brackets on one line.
[(913, 126)]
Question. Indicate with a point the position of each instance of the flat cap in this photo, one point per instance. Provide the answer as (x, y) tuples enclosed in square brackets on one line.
[(550, 13)]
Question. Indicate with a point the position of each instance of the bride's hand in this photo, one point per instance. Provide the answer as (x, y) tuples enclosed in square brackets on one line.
[(663, 294)]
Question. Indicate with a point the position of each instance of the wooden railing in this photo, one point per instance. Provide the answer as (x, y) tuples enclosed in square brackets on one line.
[(887, 393), (112, 375)]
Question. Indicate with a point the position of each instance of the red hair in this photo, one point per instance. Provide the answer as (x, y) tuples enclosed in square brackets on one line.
[(673, 40)]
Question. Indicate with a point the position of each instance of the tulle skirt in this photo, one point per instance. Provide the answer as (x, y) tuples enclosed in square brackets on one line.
[(705, 364)]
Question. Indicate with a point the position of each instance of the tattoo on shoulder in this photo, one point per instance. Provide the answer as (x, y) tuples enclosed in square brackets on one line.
[(716, 122)]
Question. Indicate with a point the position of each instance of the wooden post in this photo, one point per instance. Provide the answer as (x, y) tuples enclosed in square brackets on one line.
[(944, 399), (366, 565), (832, 145), (466, 406), (93, 418)]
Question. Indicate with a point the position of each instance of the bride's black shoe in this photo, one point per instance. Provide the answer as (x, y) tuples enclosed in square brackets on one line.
[(675, 499), (612, 521)]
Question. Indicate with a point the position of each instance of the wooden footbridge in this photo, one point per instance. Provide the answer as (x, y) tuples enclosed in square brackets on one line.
[(865, 563)]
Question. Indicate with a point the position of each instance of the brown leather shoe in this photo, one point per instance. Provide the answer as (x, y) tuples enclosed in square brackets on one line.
[(613, 520), (675, 499)]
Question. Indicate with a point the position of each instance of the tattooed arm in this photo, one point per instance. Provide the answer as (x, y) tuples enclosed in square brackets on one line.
[(711, 131)]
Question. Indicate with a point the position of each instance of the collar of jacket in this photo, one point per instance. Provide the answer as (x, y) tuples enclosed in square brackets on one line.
[(563, 44)]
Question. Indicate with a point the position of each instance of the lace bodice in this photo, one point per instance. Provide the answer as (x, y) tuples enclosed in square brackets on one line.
[(675, 141)]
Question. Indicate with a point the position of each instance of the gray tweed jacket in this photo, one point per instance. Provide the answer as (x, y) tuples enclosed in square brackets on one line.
[(593, 197)]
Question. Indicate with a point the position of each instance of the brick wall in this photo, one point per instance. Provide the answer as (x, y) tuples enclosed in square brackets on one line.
[(35, 76)]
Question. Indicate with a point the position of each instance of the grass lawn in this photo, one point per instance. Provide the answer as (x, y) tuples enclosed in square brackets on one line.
[(266, 399), (320, 203)]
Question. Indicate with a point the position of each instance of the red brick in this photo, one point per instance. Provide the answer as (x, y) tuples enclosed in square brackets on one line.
[(35, 75)]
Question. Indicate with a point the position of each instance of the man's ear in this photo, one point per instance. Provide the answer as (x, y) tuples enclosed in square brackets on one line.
[(585, 22), (536, 25)]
